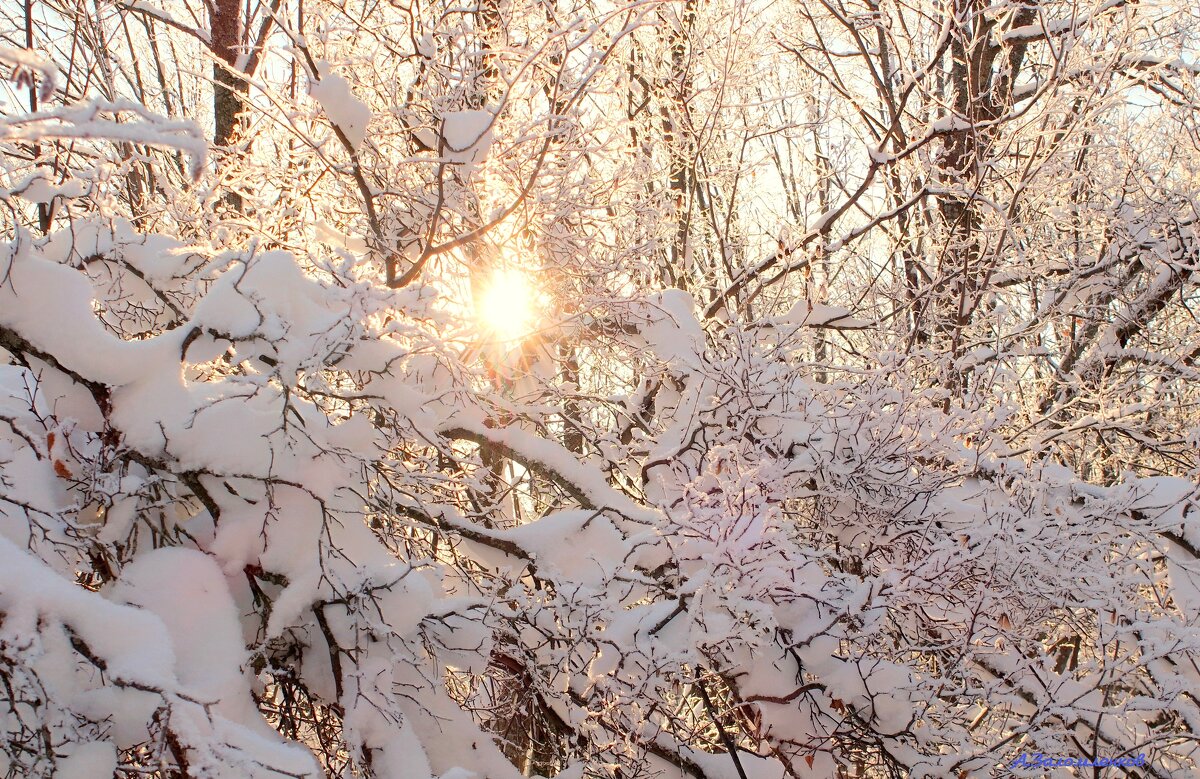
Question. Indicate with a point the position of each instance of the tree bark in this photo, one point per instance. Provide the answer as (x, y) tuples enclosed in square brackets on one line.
[(229, 91)]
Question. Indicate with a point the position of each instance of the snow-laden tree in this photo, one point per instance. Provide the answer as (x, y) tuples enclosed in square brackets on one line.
[(445, 401)]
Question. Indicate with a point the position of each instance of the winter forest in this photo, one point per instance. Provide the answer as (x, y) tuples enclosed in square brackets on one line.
[(599, 389)]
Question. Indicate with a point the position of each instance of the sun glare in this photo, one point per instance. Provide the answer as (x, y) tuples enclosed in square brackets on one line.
[(507, 306)]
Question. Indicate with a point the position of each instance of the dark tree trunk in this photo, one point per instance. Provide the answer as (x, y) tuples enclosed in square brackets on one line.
[(229, 91)]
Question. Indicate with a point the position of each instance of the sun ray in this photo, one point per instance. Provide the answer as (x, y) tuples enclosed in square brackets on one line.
[(507, 306)]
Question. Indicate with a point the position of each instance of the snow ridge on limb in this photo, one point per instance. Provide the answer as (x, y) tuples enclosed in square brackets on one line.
[(586, 484), (163, 671), (98, 120), (24, 63)]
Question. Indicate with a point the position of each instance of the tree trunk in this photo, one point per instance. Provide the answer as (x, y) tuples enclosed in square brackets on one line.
[(229, 91)]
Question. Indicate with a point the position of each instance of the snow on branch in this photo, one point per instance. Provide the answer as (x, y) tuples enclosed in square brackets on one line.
[(24, 64), (1044, 29), (105, 120)]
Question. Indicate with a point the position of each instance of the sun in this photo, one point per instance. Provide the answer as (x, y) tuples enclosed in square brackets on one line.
[(507, 306)]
